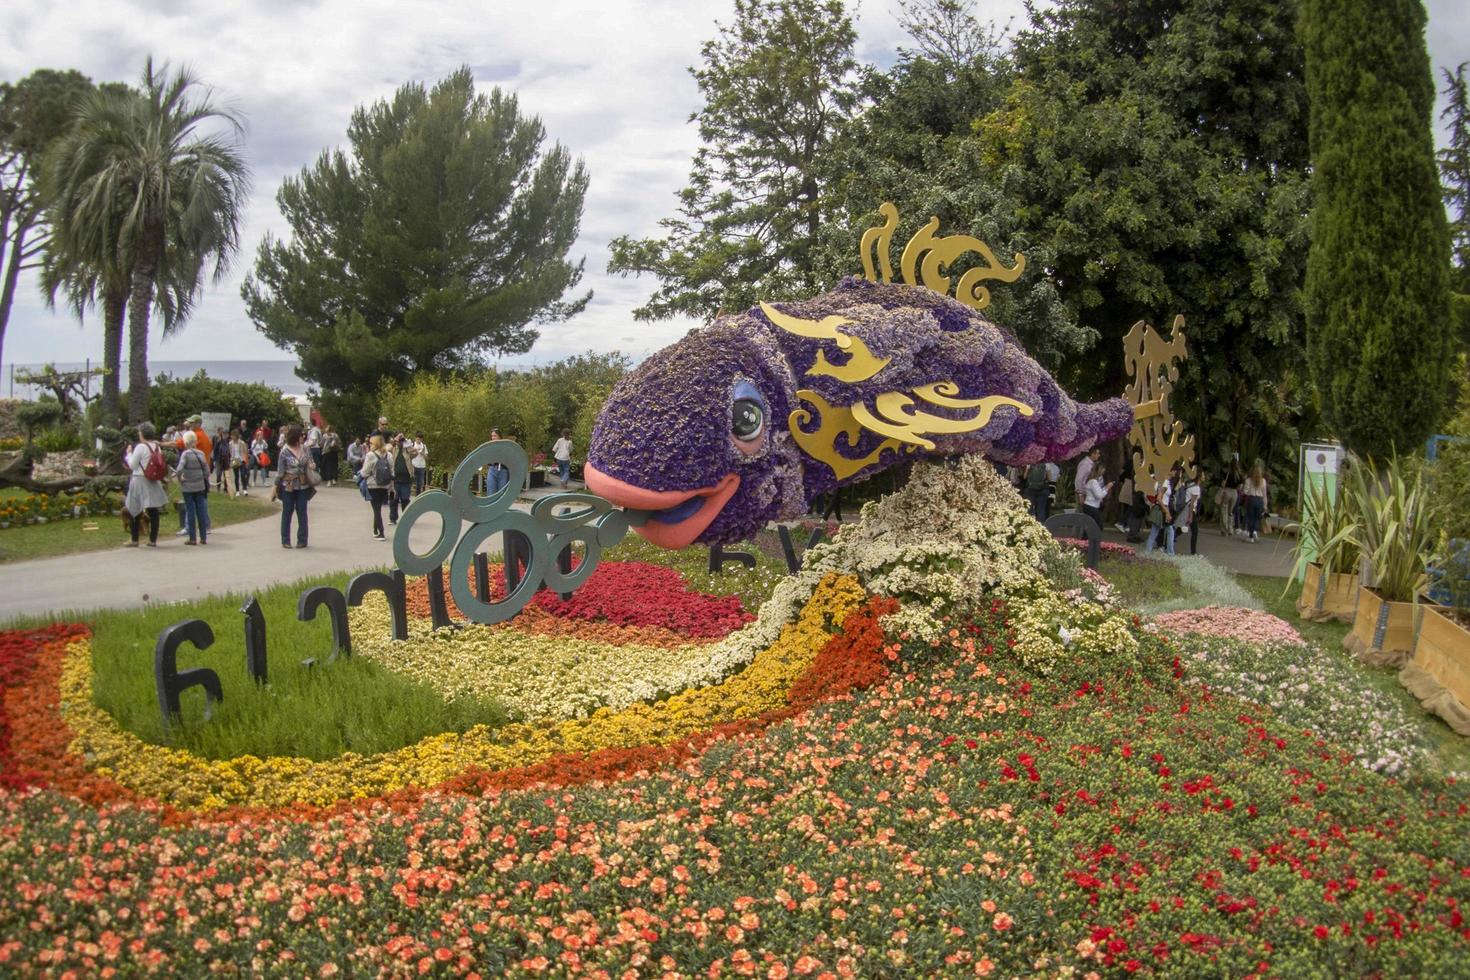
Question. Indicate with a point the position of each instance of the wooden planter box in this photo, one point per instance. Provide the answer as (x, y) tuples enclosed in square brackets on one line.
[(1336, 598), (1383, 631), (1439, 674)]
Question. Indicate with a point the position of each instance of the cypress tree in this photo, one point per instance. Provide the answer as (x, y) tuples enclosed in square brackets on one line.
[(1379, 328)]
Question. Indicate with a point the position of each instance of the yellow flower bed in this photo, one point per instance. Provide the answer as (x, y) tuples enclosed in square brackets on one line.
[(188, 781)]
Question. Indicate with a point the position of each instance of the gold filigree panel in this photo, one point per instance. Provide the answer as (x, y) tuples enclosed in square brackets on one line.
[(1158, 439), (927, 255)]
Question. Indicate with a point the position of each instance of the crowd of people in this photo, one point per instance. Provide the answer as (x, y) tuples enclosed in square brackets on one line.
[(389, 467), (1170, 509)]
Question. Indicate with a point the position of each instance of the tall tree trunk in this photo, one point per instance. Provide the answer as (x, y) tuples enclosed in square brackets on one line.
[(140, 300), (12, 272), (114, 311)]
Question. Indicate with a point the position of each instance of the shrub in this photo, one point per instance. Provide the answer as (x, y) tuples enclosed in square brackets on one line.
[(171, 400)]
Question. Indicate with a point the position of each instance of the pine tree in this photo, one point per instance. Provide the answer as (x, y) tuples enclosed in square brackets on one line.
[(1379, 328)]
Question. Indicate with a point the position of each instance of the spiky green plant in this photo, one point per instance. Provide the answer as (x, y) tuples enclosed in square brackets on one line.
[(1395, 527)]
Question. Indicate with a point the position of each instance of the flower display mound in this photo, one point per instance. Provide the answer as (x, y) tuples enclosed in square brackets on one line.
[(966, 815), (1232, 623)]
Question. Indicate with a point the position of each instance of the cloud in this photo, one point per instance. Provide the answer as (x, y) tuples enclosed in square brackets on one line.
[(609, 80)]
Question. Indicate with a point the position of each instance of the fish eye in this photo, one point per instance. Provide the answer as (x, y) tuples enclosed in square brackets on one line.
[(747, 417)]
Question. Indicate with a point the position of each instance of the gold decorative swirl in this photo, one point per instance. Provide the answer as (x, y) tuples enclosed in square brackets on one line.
[(938, 253), (861, 363), (821, 443), (898, 418), (823, 329), (880, 240)]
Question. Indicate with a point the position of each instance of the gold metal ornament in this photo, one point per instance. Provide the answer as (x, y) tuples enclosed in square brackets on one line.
[(821, 443), (897, 417), (861, 363), (1158, 438), (937, 253)]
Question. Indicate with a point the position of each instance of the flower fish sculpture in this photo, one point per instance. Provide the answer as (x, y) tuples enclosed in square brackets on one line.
[(750, 419)]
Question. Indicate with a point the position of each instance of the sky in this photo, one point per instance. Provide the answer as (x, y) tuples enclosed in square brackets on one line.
[(609, 80)]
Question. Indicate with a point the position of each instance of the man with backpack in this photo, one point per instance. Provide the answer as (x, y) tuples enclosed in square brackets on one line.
[(1037, 491), (1172, 511)]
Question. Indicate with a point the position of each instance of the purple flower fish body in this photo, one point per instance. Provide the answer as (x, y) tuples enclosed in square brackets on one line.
[(748, 420)]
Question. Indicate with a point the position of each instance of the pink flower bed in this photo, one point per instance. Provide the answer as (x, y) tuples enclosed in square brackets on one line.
[(1231, 622), (1107, 547)]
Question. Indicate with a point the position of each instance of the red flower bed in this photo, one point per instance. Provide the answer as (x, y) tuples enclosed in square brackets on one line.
[(624, 593), (19, 654)]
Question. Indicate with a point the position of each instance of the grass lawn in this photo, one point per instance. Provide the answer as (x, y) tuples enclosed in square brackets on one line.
[(72, 535), (349, 705), (1139, 581)]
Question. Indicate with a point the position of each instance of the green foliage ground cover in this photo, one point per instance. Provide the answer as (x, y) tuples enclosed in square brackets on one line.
[(348, 705), (69, 537)]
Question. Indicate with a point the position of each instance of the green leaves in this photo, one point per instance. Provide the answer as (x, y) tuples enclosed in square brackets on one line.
[(776, 82), (440, 237), (1380, 331)]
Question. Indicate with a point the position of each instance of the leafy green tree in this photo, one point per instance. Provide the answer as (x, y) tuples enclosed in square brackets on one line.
[(776, 83), (172, 400), (1158, 153), (1379, 329), (33, 113), (140, 187), (566, 382), (441, 237), (916, 146)]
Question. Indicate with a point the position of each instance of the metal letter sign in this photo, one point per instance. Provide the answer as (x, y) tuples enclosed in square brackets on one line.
[(592, 521)]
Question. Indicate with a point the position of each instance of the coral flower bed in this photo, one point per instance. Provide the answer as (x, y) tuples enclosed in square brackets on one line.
[(1231, 623)]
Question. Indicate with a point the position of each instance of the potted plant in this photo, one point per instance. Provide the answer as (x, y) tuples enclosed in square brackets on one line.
[(1327, 554), (1395, 535)]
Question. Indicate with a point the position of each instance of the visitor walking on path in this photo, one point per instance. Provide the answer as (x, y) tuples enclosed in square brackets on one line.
[(1094, 492), (221, 461), (293, 485), (1085, 468), (1255, 491), (239, 463), (377, 477), (1195, 498), (419, 453), (496, 475), (331, 454), (260, 458), (402, 488), (314, 444), (356, 450), (562, 453), (1161, 515), (145, 486), (193, 473), (1037, 491), (1230, 496)]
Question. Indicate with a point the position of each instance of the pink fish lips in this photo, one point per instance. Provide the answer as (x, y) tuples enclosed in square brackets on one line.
[(675, 517)]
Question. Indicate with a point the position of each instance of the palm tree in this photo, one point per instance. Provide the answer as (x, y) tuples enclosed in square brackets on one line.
[(148, 201)]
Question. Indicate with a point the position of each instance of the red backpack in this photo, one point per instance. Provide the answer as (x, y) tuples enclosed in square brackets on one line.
[(157, 467)]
